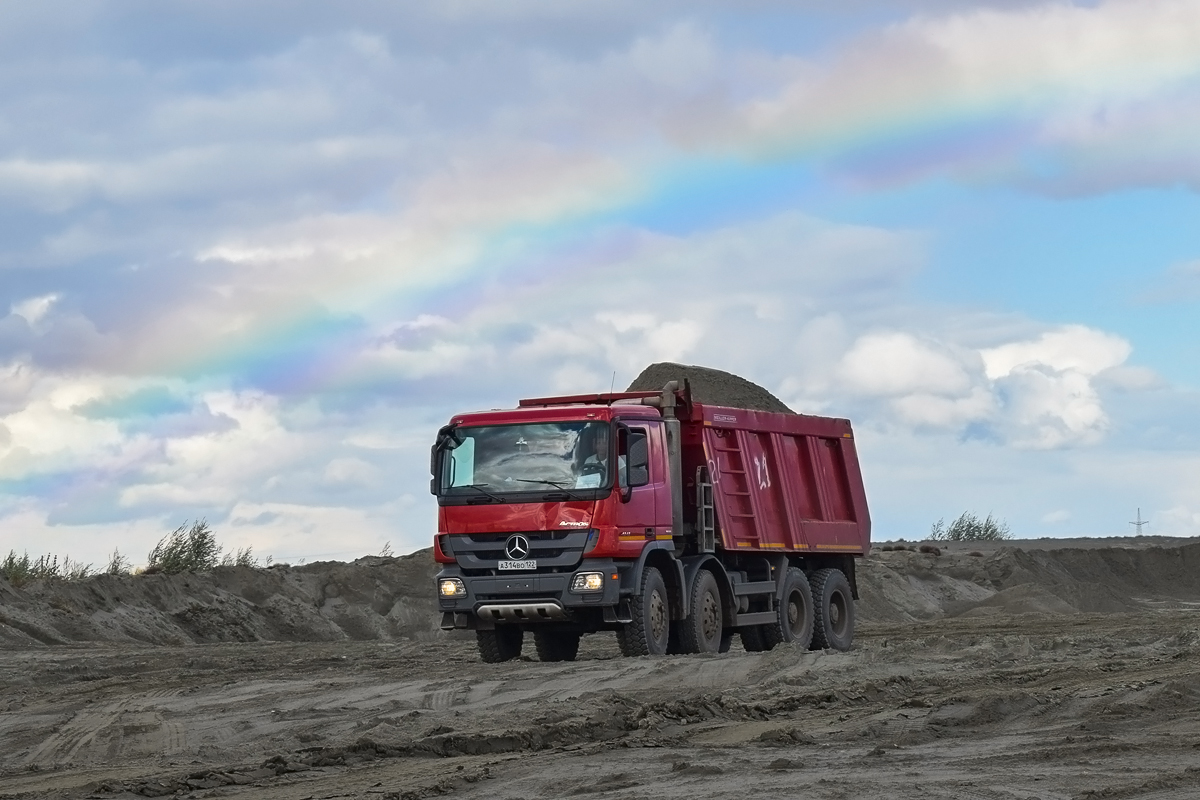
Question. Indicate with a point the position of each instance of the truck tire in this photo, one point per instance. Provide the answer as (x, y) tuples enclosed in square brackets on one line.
[(701, 631), (796, 617), (647, 634), (833, 623), (501, 644), (754, 639), (556, 645)]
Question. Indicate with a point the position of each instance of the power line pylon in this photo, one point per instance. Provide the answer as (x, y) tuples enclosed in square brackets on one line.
[(1140, 522)]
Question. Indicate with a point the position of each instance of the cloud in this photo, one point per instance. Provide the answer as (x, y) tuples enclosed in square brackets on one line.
[(1130, 378), (1056, 98), (1035, 393), (1045, 408), (34, 308), (1074, 348), (1178, 284), (255, 256), (898, 363), (16, 384)]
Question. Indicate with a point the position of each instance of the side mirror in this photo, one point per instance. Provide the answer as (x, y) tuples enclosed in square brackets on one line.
[(447, 439)]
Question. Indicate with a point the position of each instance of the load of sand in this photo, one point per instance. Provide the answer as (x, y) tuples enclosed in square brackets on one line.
[(711, 386)]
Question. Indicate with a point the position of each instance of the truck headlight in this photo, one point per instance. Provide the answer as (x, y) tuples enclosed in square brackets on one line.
[(452, 587), (588, 582)]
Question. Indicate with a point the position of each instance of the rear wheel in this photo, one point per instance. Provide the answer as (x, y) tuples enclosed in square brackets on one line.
[(795, 610), (754, 640), (702, 630), (649, 630), (834, 610), (501, 644), (556, 645)]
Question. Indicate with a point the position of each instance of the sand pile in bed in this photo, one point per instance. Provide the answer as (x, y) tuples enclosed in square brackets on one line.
[(712, 386)]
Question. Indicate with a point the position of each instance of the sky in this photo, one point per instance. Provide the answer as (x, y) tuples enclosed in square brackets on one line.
[(253, 254)]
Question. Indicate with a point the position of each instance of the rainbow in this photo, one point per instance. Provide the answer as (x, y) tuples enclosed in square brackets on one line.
[(970, 93)]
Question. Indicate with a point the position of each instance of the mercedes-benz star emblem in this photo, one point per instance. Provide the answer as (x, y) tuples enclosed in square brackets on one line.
[(517, 547)]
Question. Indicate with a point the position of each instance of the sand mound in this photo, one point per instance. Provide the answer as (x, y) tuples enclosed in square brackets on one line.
[(372, 598), (710, 386), (904, 585), (392, 598)]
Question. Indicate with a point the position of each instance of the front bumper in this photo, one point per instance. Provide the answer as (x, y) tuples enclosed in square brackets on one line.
[(531, 598)]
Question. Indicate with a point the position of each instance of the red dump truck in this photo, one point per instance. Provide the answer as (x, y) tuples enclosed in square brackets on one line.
[(671, 522)]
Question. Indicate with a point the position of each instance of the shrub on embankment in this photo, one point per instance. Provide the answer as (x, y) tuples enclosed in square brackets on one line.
[(191, 548)]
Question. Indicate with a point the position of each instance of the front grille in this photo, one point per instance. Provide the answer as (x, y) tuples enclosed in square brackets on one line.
[(553, 550)]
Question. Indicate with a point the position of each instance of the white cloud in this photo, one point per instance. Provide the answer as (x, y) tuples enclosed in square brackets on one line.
[(16, 383), (1130, 378), (34, 309), (1071, 348), (946, 413), (898, 364), (47, 185), (1035, 393), (351, 471), (1105, 91), (1047, 409)]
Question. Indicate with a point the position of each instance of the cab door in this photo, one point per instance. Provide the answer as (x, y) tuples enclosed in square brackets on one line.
[(643, 445)]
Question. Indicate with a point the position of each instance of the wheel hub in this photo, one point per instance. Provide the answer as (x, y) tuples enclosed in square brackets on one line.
[(711, 620), (658, 616), (839, 618)]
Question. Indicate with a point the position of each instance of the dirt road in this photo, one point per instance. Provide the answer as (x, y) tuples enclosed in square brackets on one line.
[(1027, 706)]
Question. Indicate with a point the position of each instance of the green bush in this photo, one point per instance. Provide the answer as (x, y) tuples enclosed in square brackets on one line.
[(118, 564), (19, 570), (970, 528), (191, 548), (242, 558), (185, 549)]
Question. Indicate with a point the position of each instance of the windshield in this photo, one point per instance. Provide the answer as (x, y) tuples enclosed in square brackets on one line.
[(541, 457)]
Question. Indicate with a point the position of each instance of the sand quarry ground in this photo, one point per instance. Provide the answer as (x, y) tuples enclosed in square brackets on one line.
[(1047, 669)]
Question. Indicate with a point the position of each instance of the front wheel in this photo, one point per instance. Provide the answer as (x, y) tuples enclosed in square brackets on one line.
[(647, 634), (834, 613), (499, 644), (556, 645)]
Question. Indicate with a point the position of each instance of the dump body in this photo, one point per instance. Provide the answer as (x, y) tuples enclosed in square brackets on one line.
[(672, 522), (781, 482)]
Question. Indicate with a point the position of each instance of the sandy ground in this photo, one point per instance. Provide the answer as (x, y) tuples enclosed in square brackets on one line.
[(955, 688)]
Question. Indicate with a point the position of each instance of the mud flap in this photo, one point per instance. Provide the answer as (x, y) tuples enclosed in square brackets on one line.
[(618, 613), (458, 621)]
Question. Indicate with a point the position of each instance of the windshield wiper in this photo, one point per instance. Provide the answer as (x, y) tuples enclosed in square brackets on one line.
[(561, 486), (479, 488)]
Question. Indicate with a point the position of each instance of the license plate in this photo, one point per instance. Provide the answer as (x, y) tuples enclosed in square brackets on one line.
[(527, 564)]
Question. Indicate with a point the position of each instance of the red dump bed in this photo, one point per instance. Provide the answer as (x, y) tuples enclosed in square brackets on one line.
[(781, 482)]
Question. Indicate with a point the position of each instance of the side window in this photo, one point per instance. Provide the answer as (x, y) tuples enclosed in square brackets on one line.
[(639, 457), (459, 465)]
